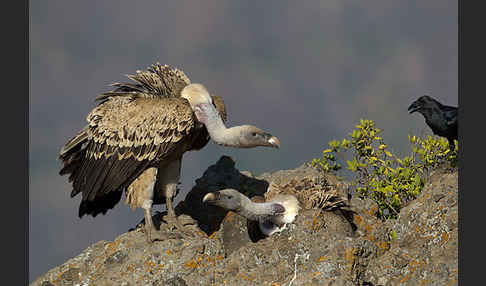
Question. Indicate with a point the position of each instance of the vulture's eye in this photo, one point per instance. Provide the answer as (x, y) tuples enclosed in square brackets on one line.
[(230, 197), (254, 134)]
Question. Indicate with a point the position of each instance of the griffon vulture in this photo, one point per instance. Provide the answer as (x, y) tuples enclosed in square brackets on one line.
[(136, 137), (272, 216)]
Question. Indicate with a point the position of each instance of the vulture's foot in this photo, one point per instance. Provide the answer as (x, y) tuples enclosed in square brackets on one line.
[(152, 234), (155, 235), (180, 223)]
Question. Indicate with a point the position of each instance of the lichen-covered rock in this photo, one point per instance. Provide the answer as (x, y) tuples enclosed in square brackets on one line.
[(424, 245), (318, 248)]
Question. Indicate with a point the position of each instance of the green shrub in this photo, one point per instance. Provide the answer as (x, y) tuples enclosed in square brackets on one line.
[(380, 175)]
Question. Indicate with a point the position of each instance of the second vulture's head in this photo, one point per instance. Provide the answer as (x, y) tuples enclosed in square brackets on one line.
[(272, 215), (422, 103), (244, 136), (228, 199), (231, 199)]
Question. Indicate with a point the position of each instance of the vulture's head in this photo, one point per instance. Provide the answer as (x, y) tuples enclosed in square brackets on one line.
[(233, 200), (244, 136), (250, 136), (228, 199), (423, 103), (272, 216)]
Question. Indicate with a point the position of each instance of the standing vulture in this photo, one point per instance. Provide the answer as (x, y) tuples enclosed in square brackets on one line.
[(136, 137)]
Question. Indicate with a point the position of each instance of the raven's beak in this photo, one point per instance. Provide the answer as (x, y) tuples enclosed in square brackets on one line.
[(415, 106), (211, 197), (272, 141)]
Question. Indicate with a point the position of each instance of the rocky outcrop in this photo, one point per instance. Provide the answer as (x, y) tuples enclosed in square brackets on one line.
[(424, 245), (319, 248)]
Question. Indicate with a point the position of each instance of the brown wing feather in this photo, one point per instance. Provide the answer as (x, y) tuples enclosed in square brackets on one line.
[(158, 81), (123, 138)]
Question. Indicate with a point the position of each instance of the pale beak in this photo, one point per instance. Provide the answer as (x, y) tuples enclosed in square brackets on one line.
[(273, 141), (210, 197)]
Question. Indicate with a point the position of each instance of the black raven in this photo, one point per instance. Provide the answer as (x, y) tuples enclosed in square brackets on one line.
[(442, 119)]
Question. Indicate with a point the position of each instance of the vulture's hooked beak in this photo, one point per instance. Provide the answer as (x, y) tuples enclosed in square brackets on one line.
[(211, 197), (272, 141), (415, 106)]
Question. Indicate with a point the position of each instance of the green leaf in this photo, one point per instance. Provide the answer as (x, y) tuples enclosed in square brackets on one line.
[(389, 189), (352, 165)]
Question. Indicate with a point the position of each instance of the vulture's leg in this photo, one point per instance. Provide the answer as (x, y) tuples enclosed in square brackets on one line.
[(140, 194), (169, 179), (149, 225)]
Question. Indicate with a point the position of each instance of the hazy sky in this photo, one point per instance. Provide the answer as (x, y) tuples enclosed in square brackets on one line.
[(305, 71)]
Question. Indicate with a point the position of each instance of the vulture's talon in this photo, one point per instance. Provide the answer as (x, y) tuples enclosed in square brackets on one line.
[(152, 234), (174, 223), (161, 236), (164, 236)]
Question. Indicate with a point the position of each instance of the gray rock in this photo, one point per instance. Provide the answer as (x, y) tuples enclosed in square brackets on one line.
[(319, 248), (425, 251)]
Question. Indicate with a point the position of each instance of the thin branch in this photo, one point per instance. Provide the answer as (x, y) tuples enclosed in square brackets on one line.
[(295, 270)]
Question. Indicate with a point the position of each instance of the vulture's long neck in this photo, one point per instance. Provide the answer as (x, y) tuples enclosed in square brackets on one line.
[(216, 128), (257, 211)]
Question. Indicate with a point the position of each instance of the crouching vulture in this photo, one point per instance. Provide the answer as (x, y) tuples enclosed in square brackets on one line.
[(272, 216), (135, 140)]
